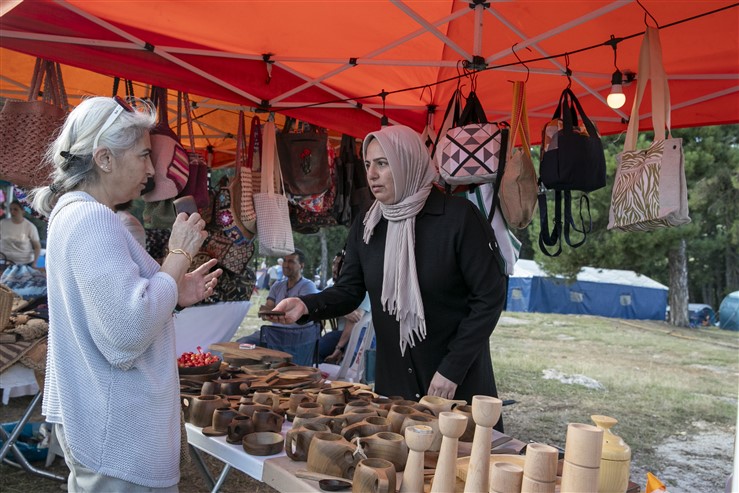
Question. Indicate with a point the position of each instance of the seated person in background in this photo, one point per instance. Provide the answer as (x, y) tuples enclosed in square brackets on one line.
[(333, 344), (276, 273), (293, 284), (19, 240)]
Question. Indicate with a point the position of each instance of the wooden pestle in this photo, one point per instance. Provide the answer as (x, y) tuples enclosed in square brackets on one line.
[(418, 438), (485, 412), (451, 426)]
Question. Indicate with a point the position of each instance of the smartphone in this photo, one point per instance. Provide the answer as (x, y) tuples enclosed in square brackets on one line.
[(185, 204), (271, 313)]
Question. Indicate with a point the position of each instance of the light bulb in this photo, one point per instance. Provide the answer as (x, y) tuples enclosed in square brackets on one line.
[(616, 98)]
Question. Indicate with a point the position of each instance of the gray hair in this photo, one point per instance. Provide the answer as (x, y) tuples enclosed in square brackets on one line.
[(71, 153)]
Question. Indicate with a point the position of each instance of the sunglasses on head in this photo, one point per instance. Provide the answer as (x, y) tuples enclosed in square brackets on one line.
[(120, 108)]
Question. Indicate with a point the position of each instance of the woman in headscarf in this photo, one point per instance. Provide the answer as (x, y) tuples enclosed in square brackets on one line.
[(433, 273)]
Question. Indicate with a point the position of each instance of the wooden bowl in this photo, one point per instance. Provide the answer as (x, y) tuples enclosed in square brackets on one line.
[(464, 462), (263, 443), (200, 370), (200, 377)]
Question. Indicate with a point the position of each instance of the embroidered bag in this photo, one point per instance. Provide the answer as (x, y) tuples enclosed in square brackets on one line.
[(649, 190), (171, 163), (251, 178), (472, 152), (303, 161)]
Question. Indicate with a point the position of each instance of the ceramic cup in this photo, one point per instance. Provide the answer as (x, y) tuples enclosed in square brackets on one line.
[(386, 445), (374, 476), (331, 454), (297, 440), (239, 427), (267, 420)]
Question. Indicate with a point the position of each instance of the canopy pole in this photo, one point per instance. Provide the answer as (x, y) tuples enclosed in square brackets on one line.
[(477, 43)]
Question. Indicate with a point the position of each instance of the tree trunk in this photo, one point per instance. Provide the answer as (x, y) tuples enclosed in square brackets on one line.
[(324, 256), (678, 298)]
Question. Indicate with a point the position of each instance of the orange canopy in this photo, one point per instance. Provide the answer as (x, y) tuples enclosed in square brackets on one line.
[(327, 62)]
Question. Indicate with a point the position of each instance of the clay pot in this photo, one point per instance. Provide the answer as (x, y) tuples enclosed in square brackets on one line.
[(374, 476), (263, 443), (297, 440), (366, 427), (239, 427), (331, 454), (267, 420), (386, 445)]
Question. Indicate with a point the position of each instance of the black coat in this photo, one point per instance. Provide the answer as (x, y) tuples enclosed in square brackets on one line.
[(463, 289)]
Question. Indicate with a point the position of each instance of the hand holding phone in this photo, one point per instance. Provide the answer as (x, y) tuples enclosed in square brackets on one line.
[(185, 204)]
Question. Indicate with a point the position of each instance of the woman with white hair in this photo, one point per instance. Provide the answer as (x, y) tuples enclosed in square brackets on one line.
[(434, 276), (111, 377)]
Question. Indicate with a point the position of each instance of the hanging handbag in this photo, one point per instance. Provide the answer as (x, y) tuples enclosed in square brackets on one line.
[(310, 213), (649, 190), (572, 159), (250, 178), (27, 128), (227, 207), (472, 152), (197, 180), (518, 186), (273, 214), (304, 161), (171, 162)]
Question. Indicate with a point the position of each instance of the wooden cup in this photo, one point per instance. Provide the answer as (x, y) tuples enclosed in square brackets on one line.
[(309, 407), (297, 398), (297, 440), (584, 445), (397, 415), (366, 427), (239, 427), (418, 438), (267, 420), (267, 398), (541, 463), (331, 454), (506, 477), (386, 445), (328, 397), (374, 476), (529, 485)]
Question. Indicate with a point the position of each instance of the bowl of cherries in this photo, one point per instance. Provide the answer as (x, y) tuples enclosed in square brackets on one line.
[(190, 363)]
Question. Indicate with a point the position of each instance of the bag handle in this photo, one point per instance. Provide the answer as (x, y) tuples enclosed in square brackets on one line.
[(650, 67), (451, 118), (473, 111), (188, 117), (570, 117), (270, 161), (519, 119), (255, 141)]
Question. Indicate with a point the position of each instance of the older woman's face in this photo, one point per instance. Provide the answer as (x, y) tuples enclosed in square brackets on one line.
[(131, 170), (379, 176)]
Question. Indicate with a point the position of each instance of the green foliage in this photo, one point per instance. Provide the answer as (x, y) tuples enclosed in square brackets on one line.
[(712, 173)]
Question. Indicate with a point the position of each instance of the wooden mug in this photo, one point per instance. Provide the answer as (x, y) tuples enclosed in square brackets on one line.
[(386, 445), (328, 397), (374, 476), (331, 454), (267, 398), (297, 440), (366, 427), (239, 427), (267, 420)]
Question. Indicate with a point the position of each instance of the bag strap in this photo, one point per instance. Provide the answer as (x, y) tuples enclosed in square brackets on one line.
[(473, 111), (569, 221), (575, 105), (271, 181), (451, 118), (519, 119), (545, 237), (255, 141), (650, 67), (188, 117)]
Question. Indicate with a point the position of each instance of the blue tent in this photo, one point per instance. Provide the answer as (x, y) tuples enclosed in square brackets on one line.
[(604, 292), (728, 312)]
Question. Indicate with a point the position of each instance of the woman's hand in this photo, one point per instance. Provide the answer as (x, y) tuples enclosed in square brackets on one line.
[(294, 308), (198, 284), (335, 357), (188, 233), (442, 386)]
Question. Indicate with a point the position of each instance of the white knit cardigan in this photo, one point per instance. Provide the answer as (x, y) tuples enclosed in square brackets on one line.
[(111, 375)]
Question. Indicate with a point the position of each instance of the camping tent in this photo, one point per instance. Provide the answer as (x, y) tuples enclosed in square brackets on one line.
[(331, 63), (604, 292), (729, 312)]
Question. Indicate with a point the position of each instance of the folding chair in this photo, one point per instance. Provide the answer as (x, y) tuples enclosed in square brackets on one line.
[(301, 342), (353, 365)]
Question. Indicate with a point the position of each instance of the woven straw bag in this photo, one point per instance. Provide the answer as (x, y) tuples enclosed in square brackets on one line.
[(6, 305), (27, 128)]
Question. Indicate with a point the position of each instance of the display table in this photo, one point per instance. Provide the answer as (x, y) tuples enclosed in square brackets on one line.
[(208, 324), (17, 381)]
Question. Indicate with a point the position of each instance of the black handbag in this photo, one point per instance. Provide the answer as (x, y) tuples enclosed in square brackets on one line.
[(304, 161)]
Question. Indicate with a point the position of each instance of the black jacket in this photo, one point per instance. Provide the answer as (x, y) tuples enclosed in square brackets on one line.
[(463, 289)]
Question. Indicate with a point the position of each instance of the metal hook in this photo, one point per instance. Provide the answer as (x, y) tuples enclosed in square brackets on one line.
[(647, 13), (528, 72), (423, 91), (383, 120), (568, 72)]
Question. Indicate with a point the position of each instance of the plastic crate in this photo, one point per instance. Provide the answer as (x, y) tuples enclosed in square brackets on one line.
[(27, 441)]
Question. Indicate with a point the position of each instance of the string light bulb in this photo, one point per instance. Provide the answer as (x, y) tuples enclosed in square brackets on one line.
[(616, 98)]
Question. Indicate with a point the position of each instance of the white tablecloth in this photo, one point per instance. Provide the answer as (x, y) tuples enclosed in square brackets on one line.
[(207, 324), (17, 381)]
